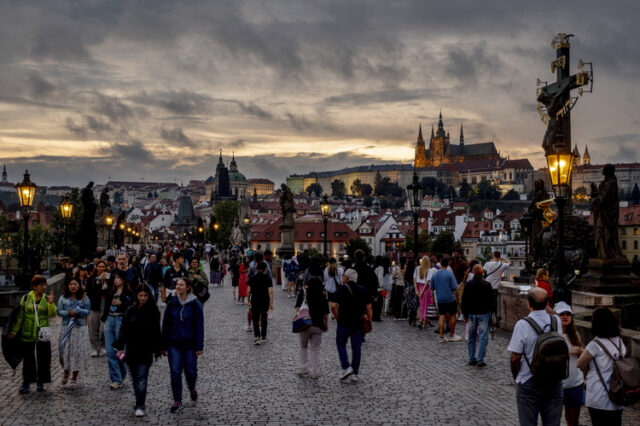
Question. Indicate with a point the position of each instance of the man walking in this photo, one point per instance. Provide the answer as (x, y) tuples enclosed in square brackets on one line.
[(349, 308), (476, 308), (168, 289), (443, 282), (494, 269), (532, 398)]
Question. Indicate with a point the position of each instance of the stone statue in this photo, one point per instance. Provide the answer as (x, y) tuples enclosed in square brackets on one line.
[(555, 102), (89, 240), (236, 235), (105, 206), (287, 227), (287, 205), (244, 208), (605, 216)]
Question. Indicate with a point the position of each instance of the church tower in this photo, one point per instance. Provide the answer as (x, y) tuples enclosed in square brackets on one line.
[(4, 173), (586, 158), (576, 156), (439, 146), (420, 159)]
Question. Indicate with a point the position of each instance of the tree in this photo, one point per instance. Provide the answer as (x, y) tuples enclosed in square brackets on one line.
[(387, 188), (226, 213), (635, 194), (424, 243), (486, 255), (367, 201), (356, 187), (487, 190), (512, 194), (39, 246), (445, 243), (465, 190), (434, 187), (314, 188), (366, 190), (338, 189), (357, 243)]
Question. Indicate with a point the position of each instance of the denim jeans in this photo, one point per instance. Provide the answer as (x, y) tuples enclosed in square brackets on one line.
[(342, 335), (117, 370), (533, 401), (182, 358), (139, 376), (478, 329)]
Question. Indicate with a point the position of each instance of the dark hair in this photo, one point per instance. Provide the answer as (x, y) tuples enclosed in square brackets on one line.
[(259, 257), (101, 261), (126, 285), (386, 264), (444, 262), (315, 266), (359, 255), (438, 257), (150, 301), (408, 273), (497, 254), (469, 270), (604, 323), (38, 280), (67, 293), (262, 266), (111, 258), (178, 255), (572, 333), (538, 306)]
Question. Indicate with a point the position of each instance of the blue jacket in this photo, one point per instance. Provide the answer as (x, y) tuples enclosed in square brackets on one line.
[(444, 283), (183, 323), (82, 308)]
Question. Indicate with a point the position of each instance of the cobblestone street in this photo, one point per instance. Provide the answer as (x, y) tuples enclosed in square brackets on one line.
[(406, 378)]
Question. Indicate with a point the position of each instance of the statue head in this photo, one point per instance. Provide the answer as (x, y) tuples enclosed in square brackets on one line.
[(609, 170)]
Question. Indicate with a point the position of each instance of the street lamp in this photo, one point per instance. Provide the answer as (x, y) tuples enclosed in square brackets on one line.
[(109, 222), (26, 193), (414, 191), (246, 221), (66, 208), (560, 164), (325, 209)]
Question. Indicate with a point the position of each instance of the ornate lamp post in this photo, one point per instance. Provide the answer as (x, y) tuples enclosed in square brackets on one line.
[(108, 220), (201, 233), (66, 208), (414, 191), (246, 222), (560, 165), (325, 208), (26, 193)]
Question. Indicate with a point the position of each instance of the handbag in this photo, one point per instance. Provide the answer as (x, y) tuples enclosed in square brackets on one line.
[(367, 325), (44, 333), (302, 319)]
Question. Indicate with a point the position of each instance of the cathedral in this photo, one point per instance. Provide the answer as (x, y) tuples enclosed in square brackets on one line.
[(441, 151)]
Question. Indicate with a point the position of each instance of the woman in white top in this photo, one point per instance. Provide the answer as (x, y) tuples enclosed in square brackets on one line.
[(422, 289), (332, 279), (604, 326), (573, 385)]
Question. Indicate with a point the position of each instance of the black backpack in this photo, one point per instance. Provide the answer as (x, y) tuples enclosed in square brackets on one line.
[(550, 363)]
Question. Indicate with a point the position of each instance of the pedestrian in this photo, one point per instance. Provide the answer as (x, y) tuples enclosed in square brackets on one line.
[(422, 290), (171, 277), (139, 340), (153, 274), (350, 309), (572, 386), (494, 270), (459, 268), (214, 269), (597, 362), (379, 270), (31, 328), (542, 281), (234, 268), (291, 271), (367, 279), (397, 290), (116, 303), (388, 277), (312, 294), (97, 287), (332, 275), (476, 308), (243, 271), (443, 284), (260, 296), (183, 336), (533, 399), (412, 299), (199, 280), (74, 308)]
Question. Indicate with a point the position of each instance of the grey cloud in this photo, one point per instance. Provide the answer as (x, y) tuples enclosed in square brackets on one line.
[(39, 87), (252, 109), (133, 150), (112, 107), (178, 136), (384, 96), (96, 124), (78, 129), (178, 102), (468, 65)]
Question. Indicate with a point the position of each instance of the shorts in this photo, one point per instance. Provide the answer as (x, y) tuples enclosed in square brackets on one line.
[(449, 308), (573, 397), (331, 297)]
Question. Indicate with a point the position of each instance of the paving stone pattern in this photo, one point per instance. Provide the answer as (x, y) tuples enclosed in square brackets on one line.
[(406, 378)]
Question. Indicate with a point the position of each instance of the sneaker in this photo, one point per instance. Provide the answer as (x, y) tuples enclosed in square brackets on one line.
[(301, 372), (23, 389), (177, 406), (354, 378), (346, 373), (455, 338), (94, 354), (314, 376), (140, 413), (482, 364), (65, 379), (248, 328), (443, 340), (474, 362), (73, 384), (263, 341), (256, 341), (116, 386), (194, 395), (39, 387)]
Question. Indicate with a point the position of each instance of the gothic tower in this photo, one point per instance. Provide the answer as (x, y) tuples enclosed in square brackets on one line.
[(420, 159), (576, 156), (586, 158), (439, 146), (461, 149)]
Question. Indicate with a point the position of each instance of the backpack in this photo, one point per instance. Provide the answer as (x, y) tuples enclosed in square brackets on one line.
[(550, 363), (624, 388), (291, 268)]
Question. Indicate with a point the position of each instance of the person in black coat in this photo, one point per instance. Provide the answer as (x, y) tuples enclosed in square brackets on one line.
[(260, 296), (141, 338), (312, 294), (477, 301)]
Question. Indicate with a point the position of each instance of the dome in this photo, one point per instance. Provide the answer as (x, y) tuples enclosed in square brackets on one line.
[(236, 177)]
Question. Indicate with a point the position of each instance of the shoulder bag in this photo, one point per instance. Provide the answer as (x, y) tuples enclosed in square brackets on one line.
[(44, 333), (302, 319)]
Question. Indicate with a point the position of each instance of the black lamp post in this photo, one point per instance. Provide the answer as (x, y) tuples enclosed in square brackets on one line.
[(246, 222), (414, 191), (325, 208), (26, 193), (108, 220), (560, 164), (66, 208)]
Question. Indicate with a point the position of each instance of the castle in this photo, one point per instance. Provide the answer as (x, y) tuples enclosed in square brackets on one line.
[(441, 151)]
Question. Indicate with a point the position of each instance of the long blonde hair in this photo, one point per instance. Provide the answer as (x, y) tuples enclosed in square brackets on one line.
[(425, 265)]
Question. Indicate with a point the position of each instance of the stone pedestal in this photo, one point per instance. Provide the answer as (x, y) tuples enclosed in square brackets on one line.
[(287, 238), (512, 304)]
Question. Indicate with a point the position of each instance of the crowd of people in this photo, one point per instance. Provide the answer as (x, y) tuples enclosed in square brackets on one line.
[(136, 309)]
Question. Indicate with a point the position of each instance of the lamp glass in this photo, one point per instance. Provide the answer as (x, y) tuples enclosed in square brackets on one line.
[(560, 167), (108, 220), (26, 191), (325, 207), (246, 220), (66, 208)]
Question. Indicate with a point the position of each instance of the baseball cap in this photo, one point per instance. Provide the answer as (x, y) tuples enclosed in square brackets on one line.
[(561, 307)]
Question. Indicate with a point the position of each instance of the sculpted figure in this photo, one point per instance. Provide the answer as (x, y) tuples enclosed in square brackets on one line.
[(605, 215)]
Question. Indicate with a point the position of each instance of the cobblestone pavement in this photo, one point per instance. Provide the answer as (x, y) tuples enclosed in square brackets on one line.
[(406, 378)]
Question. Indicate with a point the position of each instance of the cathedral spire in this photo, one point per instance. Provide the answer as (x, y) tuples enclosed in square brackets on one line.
[(586, 158), (461, 135), (433, 135), (420, 134), (440, 132)]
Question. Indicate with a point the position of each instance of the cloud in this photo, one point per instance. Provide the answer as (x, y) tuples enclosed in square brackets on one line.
[(177, 135), (131, 151), (252, 109), (181, 102), (112, 107), (39, 87)]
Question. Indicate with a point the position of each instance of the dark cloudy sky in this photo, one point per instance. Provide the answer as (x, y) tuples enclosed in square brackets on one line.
[(153, 89)]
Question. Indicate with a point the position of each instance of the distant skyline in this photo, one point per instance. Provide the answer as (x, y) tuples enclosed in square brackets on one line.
[(151, 90)]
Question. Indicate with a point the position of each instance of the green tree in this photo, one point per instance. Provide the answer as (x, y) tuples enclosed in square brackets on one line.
[(39, 246), (488, 190), (356, 187), (314, 188), (366, 190), (512, 194), (367, 201), (338, 189), (445, 243), (425, 243), (386, 188), (486, 255), (225, 213), (357, 243), (465, 190)]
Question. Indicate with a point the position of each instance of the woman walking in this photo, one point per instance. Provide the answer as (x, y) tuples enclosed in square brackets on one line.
[(140, 336), (332, 279), (260, 297), (242, 280), (199, 280), (397, 289), (116, 303), (97, 287), (313, 296), (422, 289), (29, 327), (387, 284), (74, 307), (412, 300), (597, 357), (573, 385), (183, 336)]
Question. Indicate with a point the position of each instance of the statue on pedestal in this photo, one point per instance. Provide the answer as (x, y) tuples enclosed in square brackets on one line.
[(236, 238), (605, 216), (288, 222)]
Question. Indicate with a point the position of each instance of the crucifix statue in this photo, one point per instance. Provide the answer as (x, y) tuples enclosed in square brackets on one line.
[(555, 101)]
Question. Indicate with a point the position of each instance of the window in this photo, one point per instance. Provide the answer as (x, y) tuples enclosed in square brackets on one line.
[(635, 231), (624, 245), (269, 234), (635, 245), (301, 246), (623, 231), (341, 247), (268, 246)]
